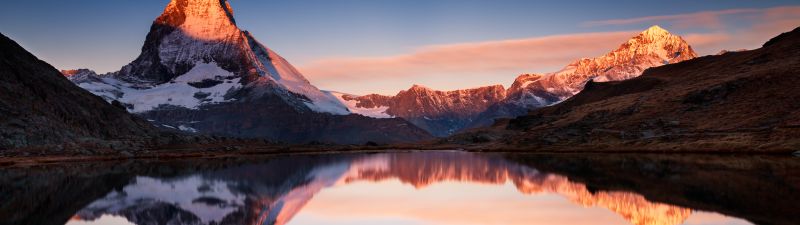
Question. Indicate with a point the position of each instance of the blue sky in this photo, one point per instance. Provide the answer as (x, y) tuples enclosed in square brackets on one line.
[(105, 35)]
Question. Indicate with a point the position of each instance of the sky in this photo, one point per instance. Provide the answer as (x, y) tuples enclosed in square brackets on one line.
[(384, 46)]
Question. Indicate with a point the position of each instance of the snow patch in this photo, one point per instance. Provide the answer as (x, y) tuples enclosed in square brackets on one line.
[(187, 129), (178, 92), (379, 112)]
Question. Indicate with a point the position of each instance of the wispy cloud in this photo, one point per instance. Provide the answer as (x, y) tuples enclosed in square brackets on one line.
[(483, 63), (704, 18), (491, 57), (727, 29)]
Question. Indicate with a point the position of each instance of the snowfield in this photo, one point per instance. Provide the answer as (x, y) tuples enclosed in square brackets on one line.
[(379, 112), (178, 92)]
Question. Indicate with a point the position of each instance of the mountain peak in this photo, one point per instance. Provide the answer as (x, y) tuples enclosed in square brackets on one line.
[(656, 33), (655, 29), (651, 48), (418, 87), (178, 12)]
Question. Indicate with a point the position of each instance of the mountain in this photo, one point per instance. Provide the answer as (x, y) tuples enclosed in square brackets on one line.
[(199, 73), (41, 108), (651, 48), (445, 113), (441, 113), (745, 100)]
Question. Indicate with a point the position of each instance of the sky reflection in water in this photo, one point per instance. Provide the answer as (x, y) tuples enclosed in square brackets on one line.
[(392, 188)]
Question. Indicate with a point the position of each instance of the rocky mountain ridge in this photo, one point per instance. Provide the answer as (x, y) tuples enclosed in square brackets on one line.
[(445, 113)]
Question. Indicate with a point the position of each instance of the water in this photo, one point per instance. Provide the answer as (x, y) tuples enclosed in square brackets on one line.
[(418, 188)]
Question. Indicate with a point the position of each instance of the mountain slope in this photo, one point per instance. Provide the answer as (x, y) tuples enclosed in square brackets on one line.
[(441, 113), (651, 48), (39, 107), (744, 101), (198, 72)]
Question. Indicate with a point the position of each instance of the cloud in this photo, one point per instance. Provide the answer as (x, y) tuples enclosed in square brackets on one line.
[(466, 65), (729, 29), (480, 57), (704, 18)]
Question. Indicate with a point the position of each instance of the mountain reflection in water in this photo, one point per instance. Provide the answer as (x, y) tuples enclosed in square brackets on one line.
[(387, 188)]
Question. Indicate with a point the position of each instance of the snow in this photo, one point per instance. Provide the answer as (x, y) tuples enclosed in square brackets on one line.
[(284, 74), (204, 71), (182, 192), (103, 220), (651, 48), (379, 112), (176, 93), (187, 129)]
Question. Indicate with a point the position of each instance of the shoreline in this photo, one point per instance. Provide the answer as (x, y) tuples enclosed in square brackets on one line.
[(170, 154)]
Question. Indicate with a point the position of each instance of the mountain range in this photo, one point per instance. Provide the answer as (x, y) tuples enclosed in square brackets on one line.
[(445, 113), (200, 74)]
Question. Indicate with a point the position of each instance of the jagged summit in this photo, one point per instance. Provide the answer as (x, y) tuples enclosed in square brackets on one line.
[(655, 30), (179, 11)]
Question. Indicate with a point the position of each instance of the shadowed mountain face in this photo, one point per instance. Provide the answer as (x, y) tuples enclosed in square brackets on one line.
[(642, 189), (198, 72), (736, 101), (40, 107)]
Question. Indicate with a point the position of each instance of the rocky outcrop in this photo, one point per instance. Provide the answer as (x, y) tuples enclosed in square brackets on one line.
[(441, 113)]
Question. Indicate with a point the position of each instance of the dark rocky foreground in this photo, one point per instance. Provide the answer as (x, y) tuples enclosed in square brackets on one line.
[(38, 107)]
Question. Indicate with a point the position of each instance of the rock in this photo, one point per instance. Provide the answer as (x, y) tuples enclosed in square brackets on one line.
[(126, 154)]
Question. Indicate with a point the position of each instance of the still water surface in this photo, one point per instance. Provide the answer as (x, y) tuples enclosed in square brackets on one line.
[(416, 188)]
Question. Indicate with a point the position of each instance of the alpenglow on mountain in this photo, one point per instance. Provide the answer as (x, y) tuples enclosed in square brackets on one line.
[(199, 73), (444, 113)]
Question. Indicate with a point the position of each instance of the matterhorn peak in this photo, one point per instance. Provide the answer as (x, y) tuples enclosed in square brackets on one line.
[(205, 19)]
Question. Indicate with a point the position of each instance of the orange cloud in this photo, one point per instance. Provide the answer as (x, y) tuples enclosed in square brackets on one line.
[(704, 19), (466, 65), (724, 33)]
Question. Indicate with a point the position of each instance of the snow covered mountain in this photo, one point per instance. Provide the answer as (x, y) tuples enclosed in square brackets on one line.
[(199, 72), (195, 54), (651, 48), (444, 113)]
